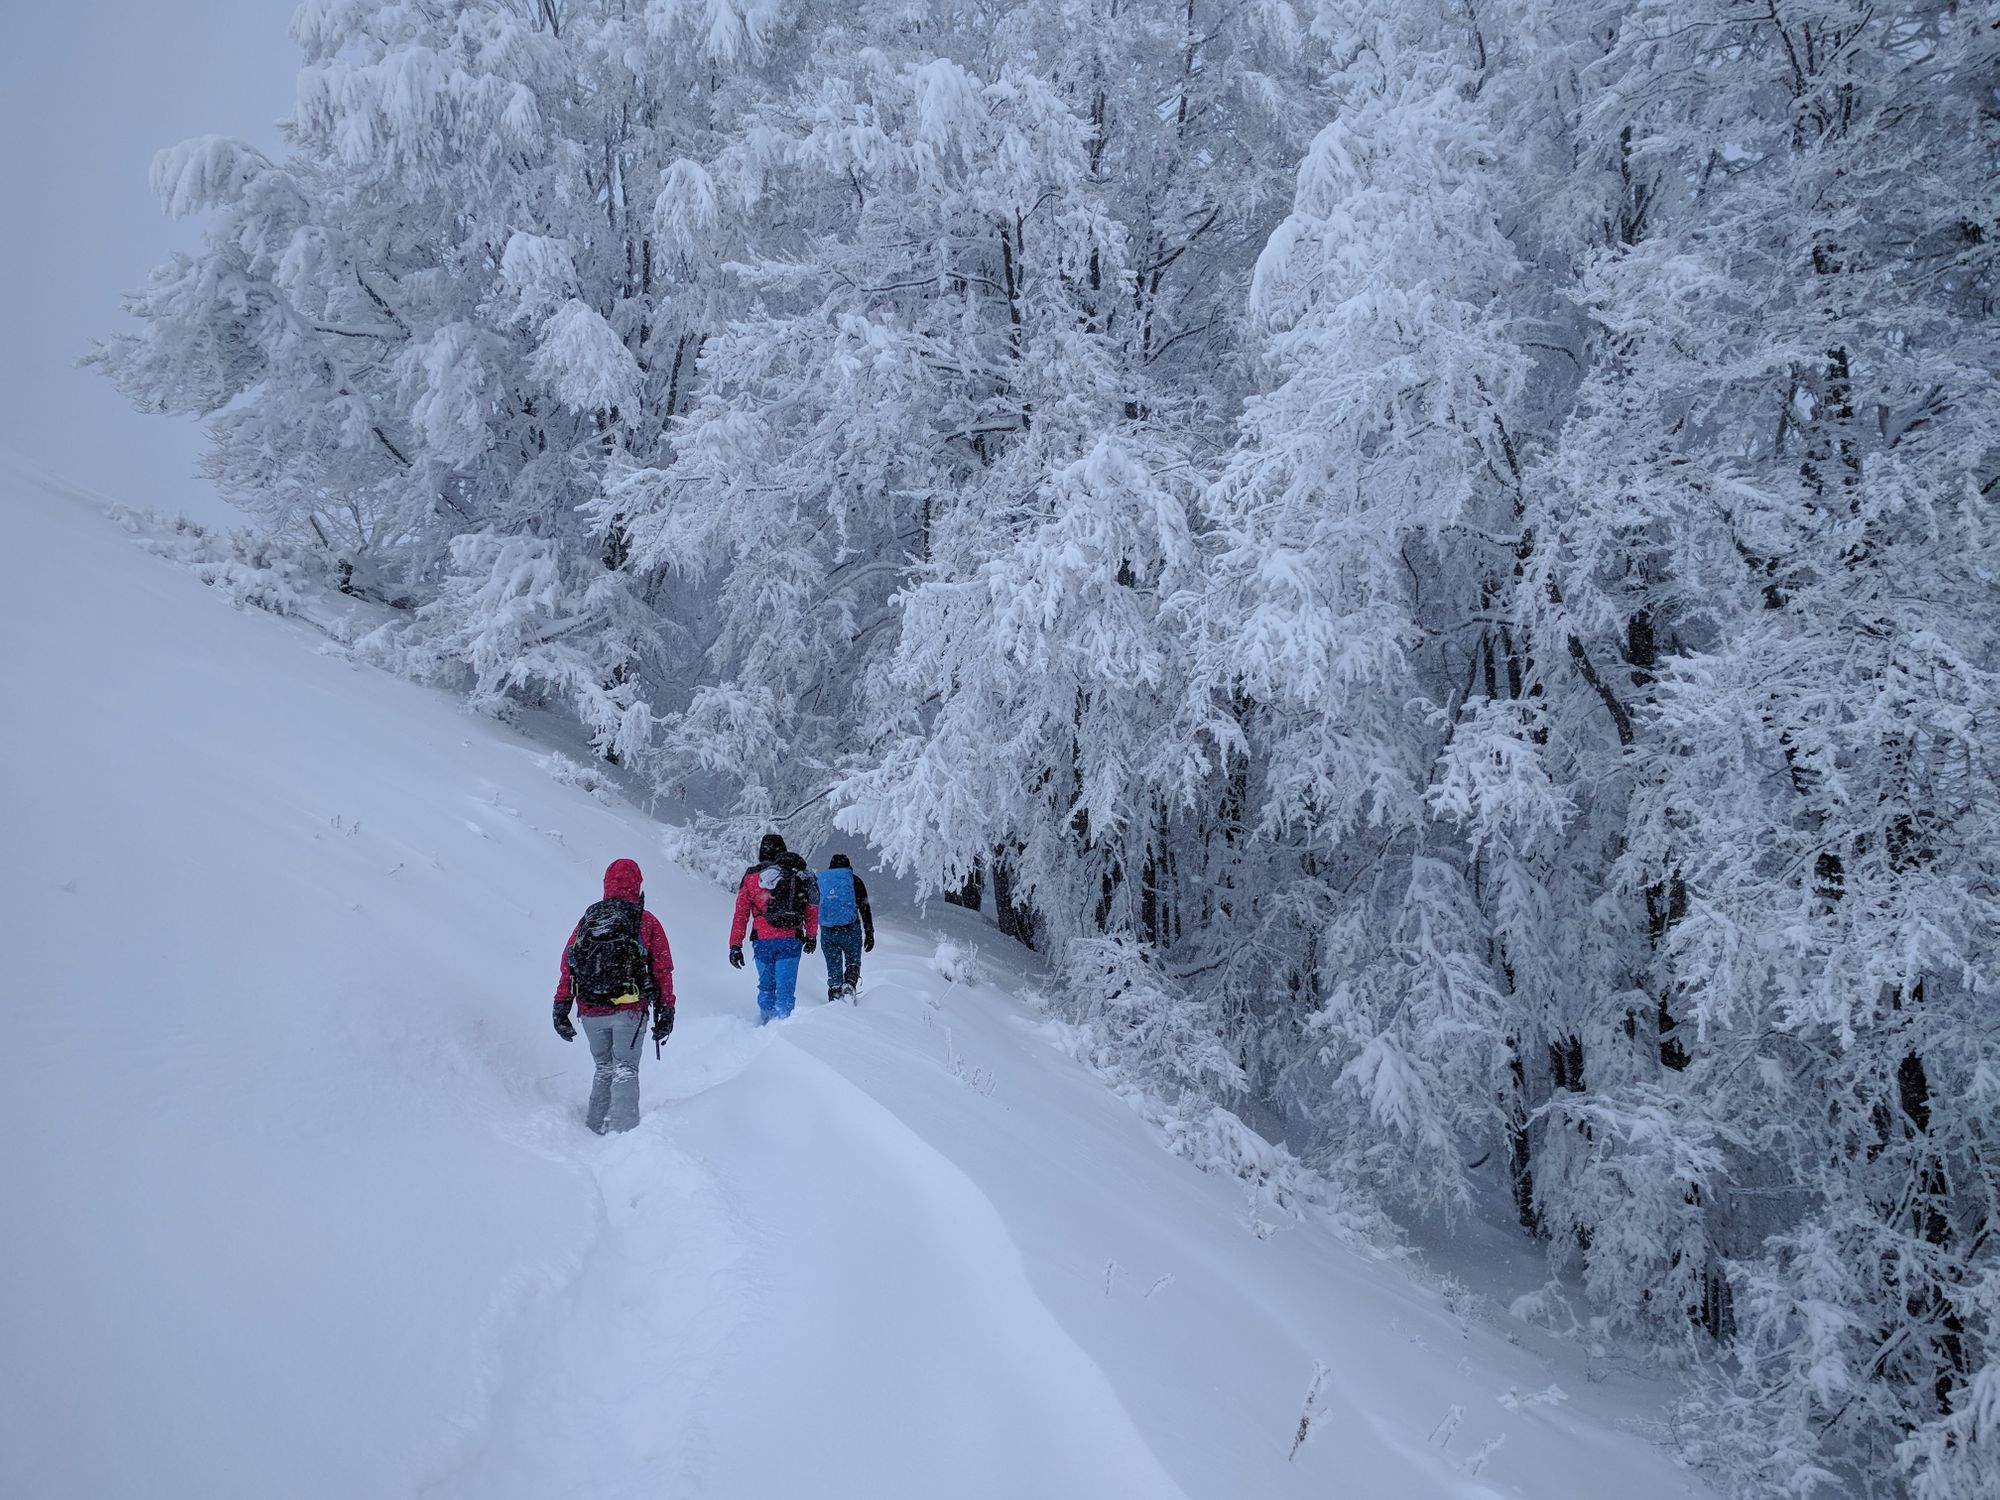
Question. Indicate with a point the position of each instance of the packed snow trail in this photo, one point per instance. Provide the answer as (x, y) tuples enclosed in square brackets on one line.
[(299, 1202), (885, 1331)]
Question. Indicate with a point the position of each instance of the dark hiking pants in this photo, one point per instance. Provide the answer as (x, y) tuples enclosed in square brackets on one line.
[(842, 947)]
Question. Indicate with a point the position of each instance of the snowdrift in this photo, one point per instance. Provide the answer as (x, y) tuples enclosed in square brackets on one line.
[(298, 1201)]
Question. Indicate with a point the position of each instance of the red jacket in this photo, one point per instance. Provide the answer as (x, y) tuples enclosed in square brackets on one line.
[(622, 883), (752, 898)]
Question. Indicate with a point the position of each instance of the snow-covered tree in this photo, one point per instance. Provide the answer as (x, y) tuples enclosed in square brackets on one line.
[(1797, 543), (482, 275), (1340, 525)]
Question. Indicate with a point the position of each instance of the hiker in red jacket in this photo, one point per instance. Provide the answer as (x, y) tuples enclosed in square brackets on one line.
[(777, 902), (615, 967)]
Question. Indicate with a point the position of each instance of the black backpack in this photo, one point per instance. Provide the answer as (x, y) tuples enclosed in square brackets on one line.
[(607, 960), (793, 893)]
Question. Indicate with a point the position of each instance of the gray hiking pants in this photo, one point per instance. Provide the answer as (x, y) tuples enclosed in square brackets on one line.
[(614, 1087)]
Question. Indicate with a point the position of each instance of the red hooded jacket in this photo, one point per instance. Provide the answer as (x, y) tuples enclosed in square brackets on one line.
[(622, 882), (752, 898)]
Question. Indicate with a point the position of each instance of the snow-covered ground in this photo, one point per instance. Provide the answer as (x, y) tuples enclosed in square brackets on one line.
[(298, 1201)]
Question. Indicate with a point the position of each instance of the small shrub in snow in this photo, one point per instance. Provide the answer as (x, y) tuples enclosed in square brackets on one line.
[(566, 772), (1553, 1395), (1461, 1302), (1447, 1427), (254, 572), (980, 1080), (1549, 1306), (1308, 1411), (958, 964), (1478, 1459)]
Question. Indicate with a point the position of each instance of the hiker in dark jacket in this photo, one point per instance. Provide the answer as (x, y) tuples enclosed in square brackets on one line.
[(616, 967), (777, 903), (846, 926)]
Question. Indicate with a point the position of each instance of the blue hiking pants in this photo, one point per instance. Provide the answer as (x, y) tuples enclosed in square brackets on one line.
[(842, 947), (777, 976)]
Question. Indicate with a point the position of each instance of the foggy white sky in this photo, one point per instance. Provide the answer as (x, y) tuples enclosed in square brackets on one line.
[(89, 90)]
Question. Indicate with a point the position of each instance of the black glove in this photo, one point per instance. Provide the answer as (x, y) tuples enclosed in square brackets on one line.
[(563, 1027), (811, 943), (663, 1022), (868, 943), (735, 955)]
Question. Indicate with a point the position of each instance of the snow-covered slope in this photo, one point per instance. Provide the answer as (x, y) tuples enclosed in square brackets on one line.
[(298, 1201)]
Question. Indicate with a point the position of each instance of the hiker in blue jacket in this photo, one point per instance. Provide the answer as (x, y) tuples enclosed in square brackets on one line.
[(846, 927)]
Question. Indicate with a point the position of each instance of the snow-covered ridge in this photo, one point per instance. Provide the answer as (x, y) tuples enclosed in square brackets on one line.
[(299, 1203)]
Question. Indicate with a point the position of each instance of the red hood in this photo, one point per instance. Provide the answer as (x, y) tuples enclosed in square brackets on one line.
[(622, 881)]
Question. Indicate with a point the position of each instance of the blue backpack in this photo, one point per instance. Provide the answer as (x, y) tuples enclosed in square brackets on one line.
[(836, 898)]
